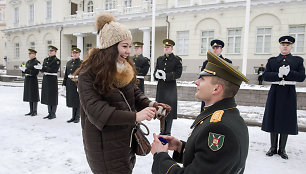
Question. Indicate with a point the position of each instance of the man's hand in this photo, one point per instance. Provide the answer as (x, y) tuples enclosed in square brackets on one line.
[(22, 68), (157, 146), (38, 66)]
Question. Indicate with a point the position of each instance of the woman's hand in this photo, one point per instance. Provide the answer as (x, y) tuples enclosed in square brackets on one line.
[(165, 106), (146, 114)]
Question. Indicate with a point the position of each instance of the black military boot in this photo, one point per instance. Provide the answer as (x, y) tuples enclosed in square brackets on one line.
[(73, 115), (273, 148), (34, 113), (31, 109), (49, 111), (77, 115), (282, 145), (53, 111)]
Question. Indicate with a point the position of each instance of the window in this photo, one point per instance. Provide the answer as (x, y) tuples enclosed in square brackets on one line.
[(206, 38), (32, 45), (182, 42), (88, 46), (49, 42), (128, 3), (16, 16), (31, 14), (110, 4), (17, 51), (234, 41), (298, 32), (263, 40), (90, 6), (49, 9)]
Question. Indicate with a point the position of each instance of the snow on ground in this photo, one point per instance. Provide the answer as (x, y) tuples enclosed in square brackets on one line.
[(33, 145)]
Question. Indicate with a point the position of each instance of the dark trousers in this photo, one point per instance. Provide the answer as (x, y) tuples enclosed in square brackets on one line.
[(52, 110), (141, 85), (282, 141), (168, 126), (33, 108)]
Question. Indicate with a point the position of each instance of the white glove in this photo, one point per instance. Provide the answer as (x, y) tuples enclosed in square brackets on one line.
[(286, 70), (38, 66), (162, 74), (157, 75), (281, 71), (22, 68)]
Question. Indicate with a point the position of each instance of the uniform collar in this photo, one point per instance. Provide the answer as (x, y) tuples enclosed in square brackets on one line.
[(281, 57), (225, 104)]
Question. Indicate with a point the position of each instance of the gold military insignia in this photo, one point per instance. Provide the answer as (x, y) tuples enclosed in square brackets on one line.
[(167, 42), (216, 117), (215, 44), (57, 62), (286, 40)]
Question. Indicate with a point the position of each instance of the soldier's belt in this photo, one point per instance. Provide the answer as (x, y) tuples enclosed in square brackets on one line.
[(72, 76), (50, 74), (27, 74), (140, 77), (283, 82)]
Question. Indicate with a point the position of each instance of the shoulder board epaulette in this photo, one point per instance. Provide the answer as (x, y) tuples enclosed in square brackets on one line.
[(217, 116)]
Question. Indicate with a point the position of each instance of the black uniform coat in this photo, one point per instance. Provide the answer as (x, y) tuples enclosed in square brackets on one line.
[(166, 90), (260, 72), (72, 95), (49, 91), (280, 112), (198, 157), (142, 65), (31, 93)]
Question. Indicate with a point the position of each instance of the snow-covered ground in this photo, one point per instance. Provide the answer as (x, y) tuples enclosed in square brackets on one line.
[(33, 145)]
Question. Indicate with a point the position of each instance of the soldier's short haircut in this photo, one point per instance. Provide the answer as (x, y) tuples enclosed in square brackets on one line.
[(230, 89)]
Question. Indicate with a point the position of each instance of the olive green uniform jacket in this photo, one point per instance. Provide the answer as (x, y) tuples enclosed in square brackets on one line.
[(219, 147)]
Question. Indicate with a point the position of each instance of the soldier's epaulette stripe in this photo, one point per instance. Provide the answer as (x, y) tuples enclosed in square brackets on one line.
[(208, 116), (231, 69), (171, 167)]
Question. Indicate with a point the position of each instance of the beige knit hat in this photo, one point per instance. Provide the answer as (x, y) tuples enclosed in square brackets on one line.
[(110, 31)]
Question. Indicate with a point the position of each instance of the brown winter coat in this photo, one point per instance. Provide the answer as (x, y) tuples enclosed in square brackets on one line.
[(107, 124)]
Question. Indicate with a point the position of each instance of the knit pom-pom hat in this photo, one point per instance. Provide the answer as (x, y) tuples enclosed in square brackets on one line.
[(110, 31)]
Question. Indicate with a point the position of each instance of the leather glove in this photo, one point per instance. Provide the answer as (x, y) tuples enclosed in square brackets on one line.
[(22, 68), (165, 108), (38, 66), (286, 70)]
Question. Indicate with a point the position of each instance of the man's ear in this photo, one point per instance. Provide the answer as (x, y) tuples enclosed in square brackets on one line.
[(218, 89)]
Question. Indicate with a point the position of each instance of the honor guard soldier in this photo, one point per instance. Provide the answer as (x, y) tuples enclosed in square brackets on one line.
[(168, 69), (142, 64), (219, 140), (72, 95), (217, 48), (30, 92), (49, 90), (280, 116), (260, 72)]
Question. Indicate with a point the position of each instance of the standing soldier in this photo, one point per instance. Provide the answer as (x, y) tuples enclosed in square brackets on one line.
[(260, 72), (30, 92), (168, 69), (280, 115), (217, 48), (49, 91), (142, 64), (72, 95)]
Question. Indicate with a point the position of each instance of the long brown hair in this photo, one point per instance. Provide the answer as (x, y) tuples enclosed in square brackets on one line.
[(102, 63)]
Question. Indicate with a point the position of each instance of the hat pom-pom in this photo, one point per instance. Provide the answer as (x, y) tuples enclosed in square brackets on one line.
[(103, 19)]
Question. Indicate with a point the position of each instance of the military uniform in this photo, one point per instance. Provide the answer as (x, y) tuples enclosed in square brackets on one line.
[(72, 95), (49, 91), (142, 65), (213, 43), (260, 72), (219, 140), (166, 91), (280, 116), (31, 92)]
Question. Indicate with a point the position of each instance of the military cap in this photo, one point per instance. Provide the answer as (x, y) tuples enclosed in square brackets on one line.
[(286, 39), (32, 51), (168, 42), (217, 43), (51, 47), (217, 66), (137, 44), (75, 50)]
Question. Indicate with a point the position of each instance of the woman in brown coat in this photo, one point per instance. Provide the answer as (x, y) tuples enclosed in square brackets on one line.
[(111, 102)]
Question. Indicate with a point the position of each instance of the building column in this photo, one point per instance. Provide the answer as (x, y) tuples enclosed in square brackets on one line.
[(146, 41), (97, 39), (80, 44)]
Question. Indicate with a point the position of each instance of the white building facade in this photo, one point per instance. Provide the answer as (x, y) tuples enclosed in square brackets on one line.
[(192, 24), (2, 36)]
